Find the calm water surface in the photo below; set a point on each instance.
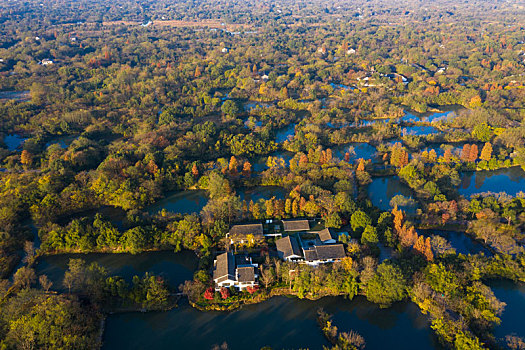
(420, 130)
(447, 113)
(510, 181)
(282, 323)
(285, 133)
(261, 192)
(19, 96)
(192, 201)
(249, 105)
(184, 202)
(174, 267)
(460, 241)
(513, 294)
(14, 141)
(357, 150)
(383, 189)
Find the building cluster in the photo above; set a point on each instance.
(295, 243)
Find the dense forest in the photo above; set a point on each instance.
(108, 108)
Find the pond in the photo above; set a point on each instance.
(281, 323)
(19, 96)
(285, 133)
(261, 192)
(460, 241)
(513, 294)
(420, 130)
(357, 150)
(382, 189)
(446, 113)
(341, 87)
(14, 141)
(62, 141)
(184, 202)
(175, 268)
(249, 105)
(192, 201)
(509, 180)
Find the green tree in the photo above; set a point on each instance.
(369, 236)
(386, 286)
(230, 108)
(359, 220)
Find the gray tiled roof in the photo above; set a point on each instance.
(224, 267)
(296, 225)
(246, 274)
(310, 255)
(288, 246)
(330, 251)
(325, 252)
(243, 230)
(325, 235)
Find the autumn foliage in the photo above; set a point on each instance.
(209, 293)
(408, 236)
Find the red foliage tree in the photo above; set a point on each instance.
(209, 293)
(225, 293)
(252, 290)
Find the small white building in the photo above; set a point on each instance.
(288, 249)
(46, 62)
(225, 50)
(227, 272)
(322, 254)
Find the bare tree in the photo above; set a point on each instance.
(29, 249)
(267, 276)
(353, 338)
(45, 283)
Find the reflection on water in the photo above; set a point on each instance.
(261, 192)
(62, 141)
(249, 105)
(19, 96)
(174, 267)
(447, 113)
(420, 130)
(285, 133)
(460, 241)
(382, 189)
(279, 322)
(192, 201)
(513, 294)
(356, 150)
(510, 181)
(184, 202)
(14, 141)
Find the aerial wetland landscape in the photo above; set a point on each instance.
(288, 174)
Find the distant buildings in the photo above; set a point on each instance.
(46, 62)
